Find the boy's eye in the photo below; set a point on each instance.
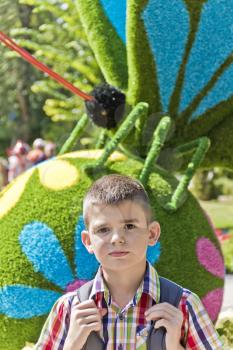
(129, 226)
(103, 230)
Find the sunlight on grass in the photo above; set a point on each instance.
(221, 213)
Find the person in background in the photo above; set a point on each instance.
(3, 172)
(37, 154)
(50, 149)
(17, 160)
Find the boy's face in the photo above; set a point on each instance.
(119, 234)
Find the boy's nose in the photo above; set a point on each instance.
(118, 236)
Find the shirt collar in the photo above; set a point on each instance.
(150, 285)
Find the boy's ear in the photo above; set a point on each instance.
(86, 241)
(154, 232)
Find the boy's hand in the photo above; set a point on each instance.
(168, 316)
(85, 318)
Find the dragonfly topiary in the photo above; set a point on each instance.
(172, 61)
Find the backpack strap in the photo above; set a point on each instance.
(84, 291)
(171, 293)
(93, 341)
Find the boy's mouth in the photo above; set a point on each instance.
(118, 253)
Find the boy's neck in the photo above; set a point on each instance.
(124, 284)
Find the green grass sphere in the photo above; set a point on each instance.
(52, 194)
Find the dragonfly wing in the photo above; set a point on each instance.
(155, 49)
(143, 83)
(209, 70)
(105, 32)
(194, 69)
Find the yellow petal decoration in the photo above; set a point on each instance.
(94, 154)
(12, 193)
(58, 174)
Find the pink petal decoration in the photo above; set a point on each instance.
(212, 302)
(75, 285)
(210, 257)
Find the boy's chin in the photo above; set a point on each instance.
(121, 265)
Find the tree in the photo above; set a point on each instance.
(54, 35)
(20, 115)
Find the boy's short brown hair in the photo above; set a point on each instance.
(113, 189)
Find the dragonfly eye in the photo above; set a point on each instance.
(108, 106)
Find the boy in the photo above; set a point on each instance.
(124, 298)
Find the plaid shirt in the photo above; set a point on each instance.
(127, 328)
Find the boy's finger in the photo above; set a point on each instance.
(85, 304)
(164, 306)
(90, 319)
(161, 323)
(86, 312)
(158, 314)
(163, 316)
(95, 326)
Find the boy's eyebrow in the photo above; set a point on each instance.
(126, 221)
(129, 220)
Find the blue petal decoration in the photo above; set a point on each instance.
(214, 42)
(116, 13)
(43, 249)
(22, 302)
(219, 93)
(86, 264)
(153, 253)
(167, 25)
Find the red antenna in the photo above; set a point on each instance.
(28, 57)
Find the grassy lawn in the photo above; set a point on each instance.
(221, 213)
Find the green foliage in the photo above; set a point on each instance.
(227, 248)
(61, 44)
(52, 32)
(203, 186)
(7, 80)
(212, 183)
(224, 185)
(10, 10)
(225, 330)
(21, 114)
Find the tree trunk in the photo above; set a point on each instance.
(24, 79)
